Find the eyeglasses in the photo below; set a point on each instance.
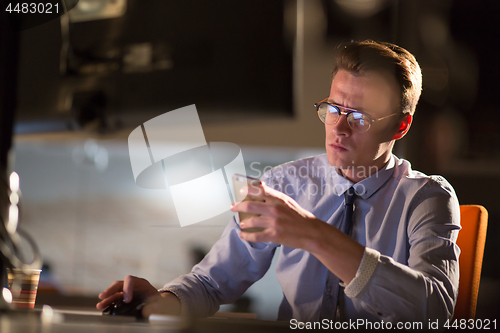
(357, 120)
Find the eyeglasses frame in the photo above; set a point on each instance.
(340, 108)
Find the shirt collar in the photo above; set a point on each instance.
(368, 186)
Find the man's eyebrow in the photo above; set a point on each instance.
(333, 102)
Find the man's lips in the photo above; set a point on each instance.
(338, 147)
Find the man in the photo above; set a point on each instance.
(390, 243)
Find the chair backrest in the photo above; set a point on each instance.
(471, 239)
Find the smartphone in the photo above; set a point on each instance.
(239, 182)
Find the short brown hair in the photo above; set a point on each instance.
(366, 56)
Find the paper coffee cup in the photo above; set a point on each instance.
(24, 286)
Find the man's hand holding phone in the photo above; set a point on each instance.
(280, 219)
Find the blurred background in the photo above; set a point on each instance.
(81, 83)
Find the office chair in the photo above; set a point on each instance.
(471, 239)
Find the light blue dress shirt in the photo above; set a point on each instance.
(408, 222)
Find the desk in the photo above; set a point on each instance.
(61, 321)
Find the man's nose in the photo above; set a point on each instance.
(342, 126)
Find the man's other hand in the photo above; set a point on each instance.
(132, 286)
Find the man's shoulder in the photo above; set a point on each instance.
(417, 180)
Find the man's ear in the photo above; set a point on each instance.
(404, 126)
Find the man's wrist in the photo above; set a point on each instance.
(165, 303)
(318, 239)
(338, 252)
(365, 271)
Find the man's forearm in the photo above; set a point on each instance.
(338, 252)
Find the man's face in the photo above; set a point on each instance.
(362, 154)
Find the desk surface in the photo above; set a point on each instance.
(59, 321)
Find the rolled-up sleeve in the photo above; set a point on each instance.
(426, 287)
(226, 272)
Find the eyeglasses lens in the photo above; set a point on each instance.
(358, 122)
(329, 114)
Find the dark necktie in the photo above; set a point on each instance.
(332, 287)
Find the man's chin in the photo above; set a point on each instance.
(339, 163)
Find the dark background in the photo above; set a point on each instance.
(228, 57)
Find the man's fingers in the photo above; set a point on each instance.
(257, 191)
(125, 288)
(254, 222)
(265, 209)
(115, 287)
(248, 206)
(110, 300)
(128, 288)
(262, 236)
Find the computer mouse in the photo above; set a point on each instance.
(133, 308)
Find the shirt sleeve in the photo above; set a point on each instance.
(426, 287)
(367, 266)
(226, 272)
